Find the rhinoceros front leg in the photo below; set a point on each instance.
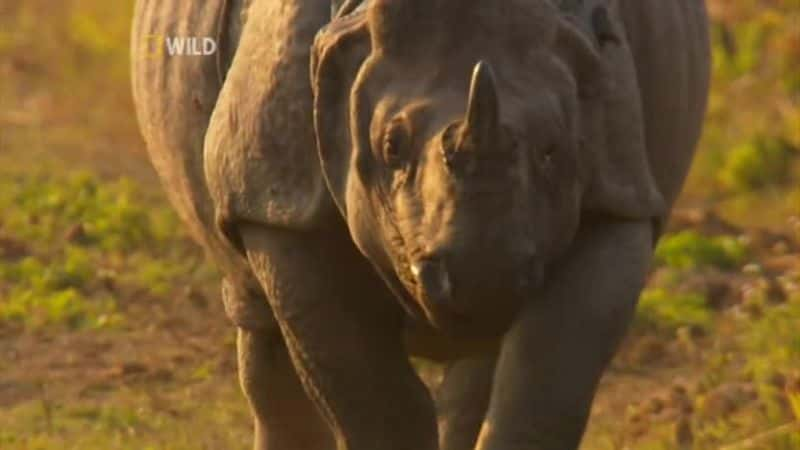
(285, 418)
(462, 400)
(344, 333)
(554, 355)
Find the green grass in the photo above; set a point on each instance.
(758, 354)
(767, 349)
(778, 326)
(42, 208)
(209, 416)
(756, 164)
(665, 312)
(81, 234)
(691, 250)
(753, 120)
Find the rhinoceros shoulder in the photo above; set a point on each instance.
(261, 162)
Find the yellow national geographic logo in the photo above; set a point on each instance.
(157, 46)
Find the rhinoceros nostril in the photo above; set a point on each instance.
(434, 280)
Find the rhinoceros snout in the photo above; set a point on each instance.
(434, 282)
(485, 292)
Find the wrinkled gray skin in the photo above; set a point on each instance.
(476, 182)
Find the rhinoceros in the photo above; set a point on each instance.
(479, 183)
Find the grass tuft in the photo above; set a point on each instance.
(759, 163)
(690, 249)
(662, 311)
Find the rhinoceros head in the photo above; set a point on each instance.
(464, 140)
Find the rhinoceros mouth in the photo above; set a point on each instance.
(435, 302)
(422, 301)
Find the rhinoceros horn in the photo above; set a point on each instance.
(483, 109)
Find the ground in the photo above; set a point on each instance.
(112, 334)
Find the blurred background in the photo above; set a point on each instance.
(112, 335)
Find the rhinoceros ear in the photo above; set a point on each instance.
(338, 52)
(617, 176)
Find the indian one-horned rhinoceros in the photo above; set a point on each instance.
(477, 182)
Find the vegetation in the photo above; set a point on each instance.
(113, 336)
(61, 232)
(690, 250)
(756, 164)
(661, 311)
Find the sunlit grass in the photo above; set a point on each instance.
(208, 415)
(691, 250)
(754, 101)
(81, 242)
(662, 311)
